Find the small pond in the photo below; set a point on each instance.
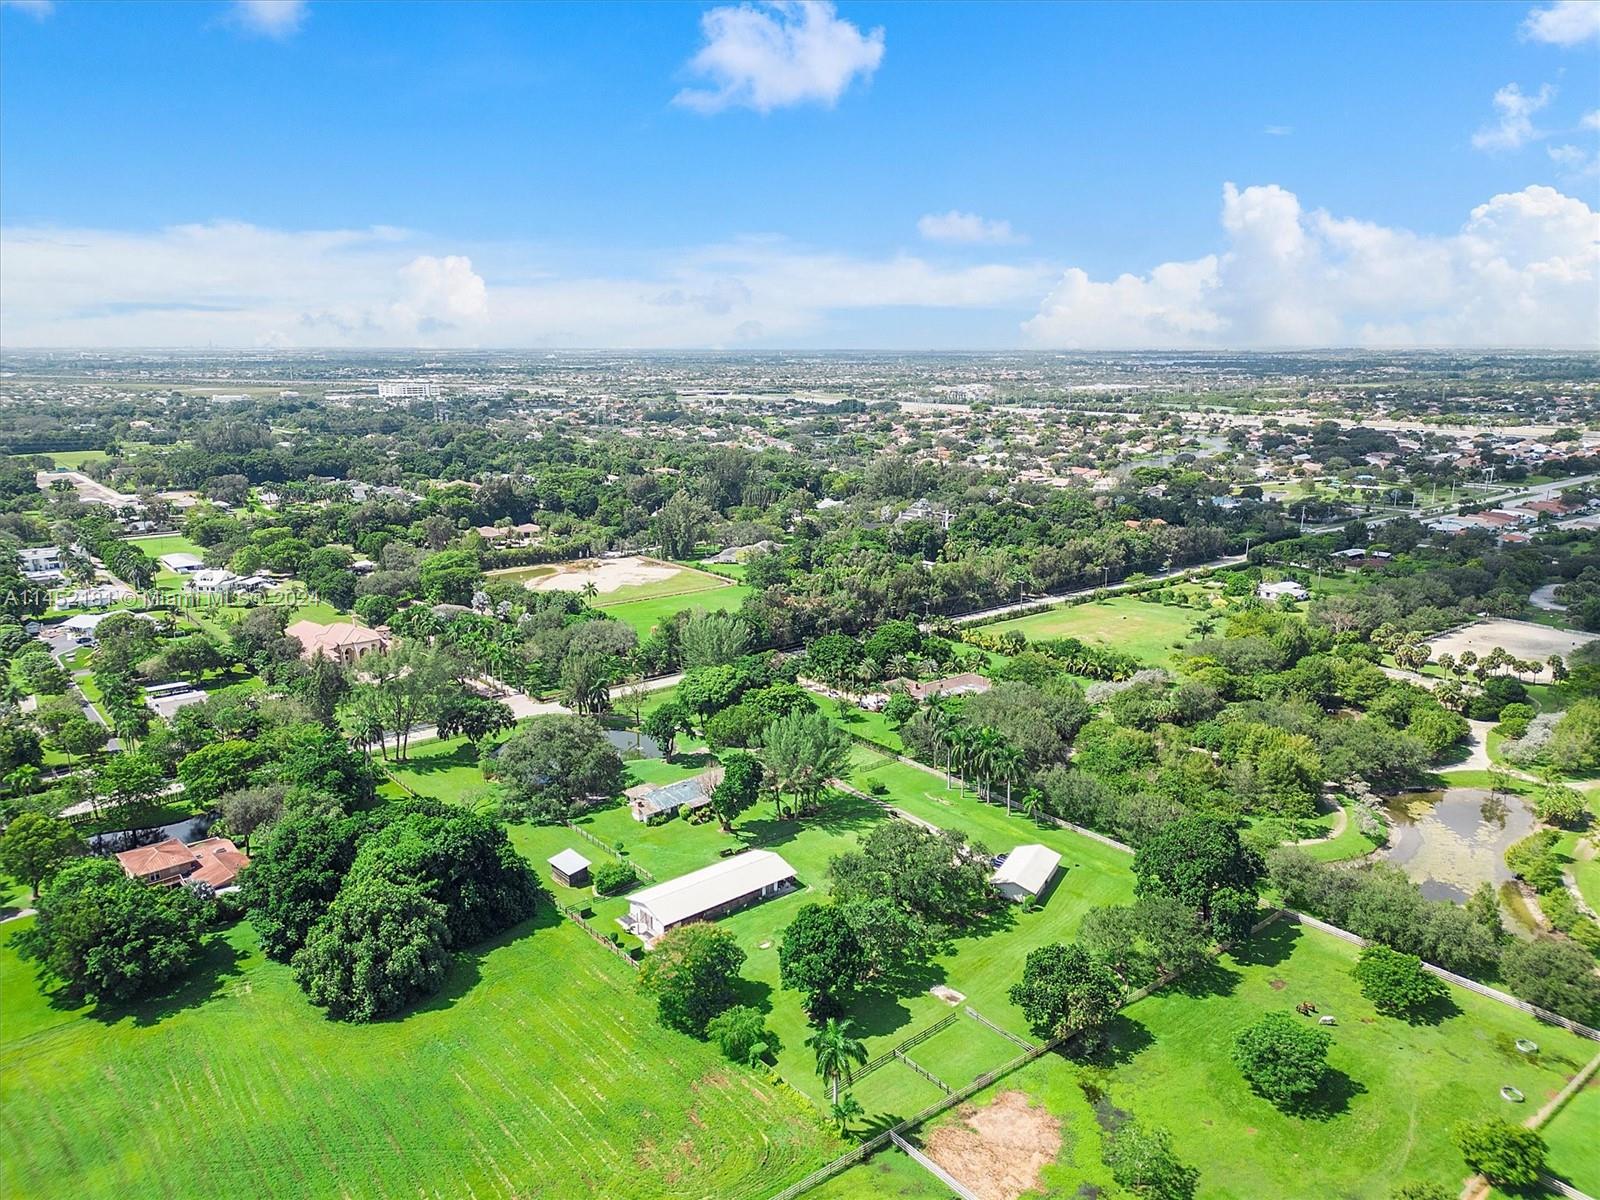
(628, 742)
(1451, 841)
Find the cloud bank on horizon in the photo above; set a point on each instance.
(1523, 270)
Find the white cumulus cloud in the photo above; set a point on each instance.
(1513, 126)
(1591, 120)
(234, 284)
(270, 18)
(38, 9)
(1564, 23)
(1524, 270)
(778, 54)
(956, 226)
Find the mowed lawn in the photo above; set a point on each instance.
(1573, 1136)
(645, 613)
(1397, 1091)
(73, 460)
(537, 1072)
(1136, 627)
(173, 543)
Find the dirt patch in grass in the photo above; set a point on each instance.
(999, 1151)
(607, 575)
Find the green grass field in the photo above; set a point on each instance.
(1121, 623)
(73, 460)
(646, 605)
(1386, 1119)
(538, 1071)
(645, 613)
(1573, 1135)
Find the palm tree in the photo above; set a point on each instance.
(845, 1110)
(1007, 762)
(986, 743)
(1033, 802)
(836, 1050)
(589, 590)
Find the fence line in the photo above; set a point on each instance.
(961, 1094)
(1005, 1033)
(924, 1072)
(589, 837)
(594, 933)
(933, 1168)
(1562, 1189)
(915, 1039)
(1472, 985)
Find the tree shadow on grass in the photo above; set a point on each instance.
(1213, 979)
(1330, 1099)
(214, 968)
(753, 993)
(467, 969)
(1268, 948)
(1118, 1043)
(1436, 1011)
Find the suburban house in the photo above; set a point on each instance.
(569, 868)
(1026, 872)
(82, 627)
(707, 894)
(40, 563)
(214, 862)
(181, 564)
(342, 642)
(968, 683)
(1287, 587)
(649, 801)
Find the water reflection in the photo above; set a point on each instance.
(1451, 841)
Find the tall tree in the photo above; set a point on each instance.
(35, 846)
(837, 1050)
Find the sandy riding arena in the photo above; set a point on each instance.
(607, 575)
(1000, 1150)
(1525, 640)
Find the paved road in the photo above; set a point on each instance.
(984, 614)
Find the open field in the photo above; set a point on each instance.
(1573, 1135)
(75, 459)
(1385, 1119)
(521, 1079)
(1535, 643)
(645, 614)
(641, 591)
(1121, 623)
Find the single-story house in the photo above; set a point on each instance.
(1026, 871)
(182, 564)
(1287, 587)
(569, 868)
(343, 642)
(82, 626)
(968, 683)
(707, 894)
(214, 862)
(648, 801)
(165, 699)
(739, 554)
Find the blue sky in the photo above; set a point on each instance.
(684, 174)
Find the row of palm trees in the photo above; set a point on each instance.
(981, 753)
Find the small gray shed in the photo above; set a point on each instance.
(570, 868)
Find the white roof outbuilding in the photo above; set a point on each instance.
(569, 862)
(1027, 871)
(710, 891)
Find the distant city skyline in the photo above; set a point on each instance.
(282, 173)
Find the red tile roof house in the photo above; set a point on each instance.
(214, 862)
